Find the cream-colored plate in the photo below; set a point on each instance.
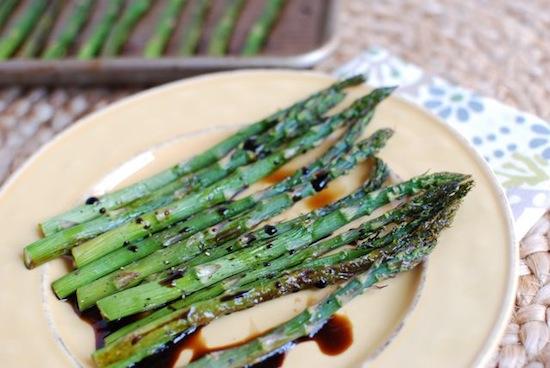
(469, 284)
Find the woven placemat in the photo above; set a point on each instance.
(499, 48)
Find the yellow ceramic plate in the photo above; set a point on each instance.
(453, 320)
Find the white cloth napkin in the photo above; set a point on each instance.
(514, 143)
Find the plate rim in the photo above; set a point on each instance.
(507, 303)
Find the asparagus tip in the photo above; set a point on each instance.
(352, 81)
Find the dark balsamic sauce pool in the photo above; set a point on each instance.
(334, 338)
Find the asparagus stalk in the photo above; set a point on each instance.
(6, 9)
(21, 29)
(228, 248)
(220, 191)
(259, 32)
(406, 254)
(265, 143)
(192, 33)
(123, 28)
(59, 242)
(317, 104)
(146, 339)
(69, 33)
(261, 236)
(66, 285)
(212, 251)
(39, 36)
(93, 45)
(150, 295)
(178, 253)
(221, 35)
(275, 267)
(378, 176)
(251, 150)
(150, 338)
(157, 43)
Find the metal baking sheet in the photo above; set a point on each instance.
(303, 35)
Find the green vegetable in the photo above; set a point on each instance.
(221, 36)
(222, 190)
(123, 28)
(405, 254)
(6, 10)
(158, 41)
(258, 34)
(180, 252)
(150, 295)
(17, 33)
(64, 230)
(434, 209)
(37, 40)
(122, 257)
(316, 104)
(93, 45)
(70, 31)
(193, 31)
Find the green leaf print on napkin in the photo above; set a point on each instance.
(524, 170)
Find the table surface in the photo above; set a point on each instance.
(499, 48)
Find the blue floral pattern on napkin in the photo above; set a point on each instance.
(515, 144)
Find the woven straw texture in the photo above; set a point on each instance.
(499, 48)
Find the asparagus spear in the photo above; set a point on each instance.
(212, 249)
(146, 339)
(275, 267)
(151, 295)
(69, 33)
(39, 36)
(317, 104)
(251, 150)
(151, 338)
(192, 33)
(119, 258)
(221, 35)
(59, 242)
(220, 191)
(157, 43)
(123, 28)
(96, 40)
(259, 32)
(178, 253)
(6, 9)
(265, 143)
(403, 256)
(21, 29)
